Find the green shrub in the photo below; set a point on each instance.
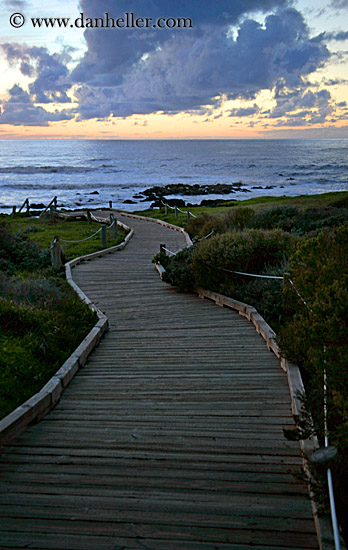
(249, 251)
(37, 335)
(203, 224)
(316, 338)
(16, 251)
(278, 217)
(296, 220)
(178, 270)
(238, 218)
(285, 217)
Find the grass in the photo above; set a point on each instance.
(257, 203)
(42, 232)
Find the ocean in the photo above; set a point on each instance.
(90, 173)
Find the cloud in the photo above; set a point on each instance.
(190, 71)
(16, 4)
(338, 36)
(111, 53)
(302, 107)
(143, 71)
(19, 110)
(244, 111)
(339, 4)
(49, 71)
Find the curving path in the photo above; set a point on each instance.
(170, 438)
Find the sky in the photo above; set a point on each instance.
(210, 69)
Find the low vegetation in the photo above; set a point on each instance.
(42, 320)
(308, 309)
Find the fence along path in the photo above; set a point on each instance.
(170, 437)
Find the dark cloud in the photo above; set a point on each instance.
(244, 111)
(19, 110)
(16, 4)
(49, 71)
(338, 36)
(190, 71)
(339, 4)
(111, 53)
(302, 107)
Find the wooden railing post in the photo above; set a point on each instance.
(110, 204)
(166, 208)
(188, 216)
(13, 211)
(89, 219)
(114, 225)
(56, 253)
(103, 236)
(25, 203)
(162, 248)
(176, 211)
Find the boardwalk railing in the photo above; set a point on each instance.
(176, 210)
(27, 204)
(56, 249)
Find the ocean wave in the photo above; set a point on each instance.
(46, 169)
(100, 160)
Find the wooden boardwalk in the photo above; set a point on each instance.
(170, 438)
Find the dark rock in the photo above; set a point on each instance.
(156, 192)
(37, 206)
(176, 202)
(94, 193)
(129, 201)
(214, 202)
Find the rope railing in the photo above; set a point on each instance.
(207, 236)
(276, 277)
(177, 209)
(56, 249)
(82, 240)
(299, 294)
(164, 249)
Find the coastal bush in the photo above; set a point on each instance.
(42, 320)
(39, 329)
(316, 339)
(17, 251)
(288, 218)
(251, 251)
(178, 270)
(238, 218)
(203, 224)
(296, 220)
